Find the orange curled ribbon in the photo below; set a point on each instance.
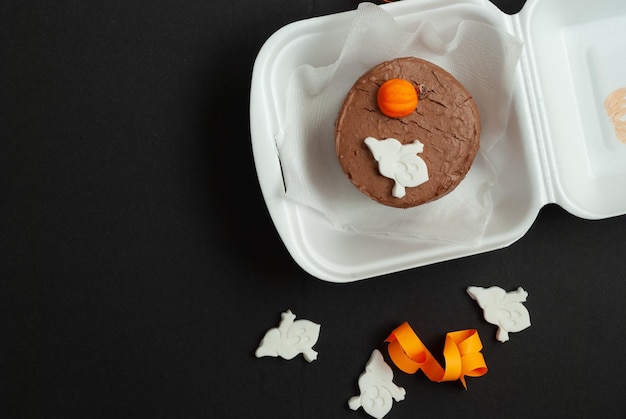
(461, 353)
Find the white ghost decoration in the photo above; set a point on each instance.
(290, 338)
(504, 309)
(377, 388)
(399, 162)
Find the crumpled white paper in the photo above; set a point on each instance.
(481, 57)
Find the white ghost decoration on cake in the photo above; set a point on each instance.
(290, 338)
(377, 388)
(399, 162)
(503, 309)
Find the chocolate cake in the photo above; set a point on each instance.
(418, 153)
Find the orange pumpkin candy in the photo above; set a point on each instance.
(397, 98)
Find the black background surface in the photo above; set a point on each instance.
(140, 268)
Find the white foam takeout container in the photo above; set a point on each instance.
(559, 146)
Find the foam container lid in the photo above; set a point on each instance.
(559, 146)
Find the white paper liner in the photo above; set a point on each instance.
(480, 56)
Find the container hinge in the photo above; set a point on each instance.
(537, 125)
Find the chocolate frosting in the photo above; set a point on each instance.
(446, 121)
